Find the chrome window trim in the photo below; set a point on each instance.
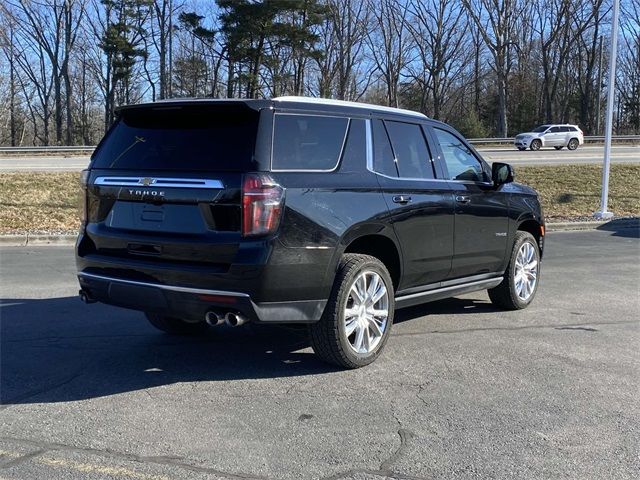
(173, 288)
(308, 170)
(369, 139)
(158, 182)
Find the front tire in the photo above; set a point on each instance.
(573, 144)
(175, 326)
(521, 279)
(356, 322)
(559, 147)
(535, 145)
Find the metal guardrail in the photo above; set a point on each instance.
(475, 141)
(615, 138)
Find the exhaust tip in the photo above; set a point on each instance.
(234, 319)
(85, 297)
(214, 318)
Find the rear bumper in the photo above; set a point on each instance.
(194, 303)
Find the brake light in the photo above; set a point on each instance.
(84, 180)
(262, 200)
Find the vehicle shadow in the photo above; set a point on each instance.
(60, 350)
(623, 227)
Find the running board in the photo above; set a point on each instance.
(445, 292)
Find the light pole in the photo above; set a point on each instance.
(603, 213)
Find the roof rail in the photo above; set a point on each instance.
(344, 103)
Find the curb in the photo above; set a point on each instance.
(590, 225)
(39, 240)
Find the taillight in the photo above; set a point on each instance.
(84, 179)
(262, 200)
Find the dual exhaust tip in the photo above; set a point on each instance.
(232, 319)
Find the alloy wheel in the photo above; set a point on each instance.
(366, 312)
(526, 271)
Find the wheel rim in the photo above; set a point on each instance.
(526, 272)
(535, 145)
(366, 312)
(573, 144)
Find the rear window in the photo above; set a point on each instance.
(307, 142)
(200, 138)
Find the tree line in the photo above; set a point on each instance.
(488, 67)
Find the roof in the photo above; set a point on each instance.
(343, 103)
(257, 104)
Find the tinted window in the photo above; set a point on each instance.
(307, 142)
(412, 157)
(355, 150)
(383, 161)
(180, 138)
(555, 129)
(461, 163)
(573, 129)
(541, 128)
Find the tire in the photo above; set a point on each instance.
(330, 337)
(535, 145)
(175, 326)
(573, 144)
(507, 294)
(521, 149)
(559, 147)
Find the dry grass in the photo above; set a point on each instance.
(48, 202)
(39, 202)
(573, 191)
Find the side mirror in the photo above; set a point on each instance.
(501, 173)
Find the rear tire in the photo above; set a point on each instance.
(175, 326)
(512, 293)
(559, 147)
(353, 329)
(573, 144)
(535, 145)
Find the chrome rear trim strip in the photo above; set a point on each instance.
(173, 288)
(158, 182)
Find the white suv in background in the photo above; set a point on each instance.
(557, 136)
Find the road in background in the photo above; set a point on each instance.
(585, 154)
(462, 390)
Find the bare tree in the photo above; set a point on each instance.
(496, 23)
(389, 43)
(438, 30)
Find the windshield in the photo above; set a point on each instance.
(201, 138)
(540, 129)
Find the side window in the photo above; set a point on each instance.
(383, 161)
(461, 163)
(355, 150)
(412, 156)
(307, 142)
(554, 130)
(566, 129)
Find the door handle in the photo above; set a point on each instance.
(402, 199)
(462, 199)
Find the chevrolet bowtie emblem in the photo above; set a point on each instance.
(147, 181)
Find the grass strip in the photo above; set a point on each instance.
(48, 203)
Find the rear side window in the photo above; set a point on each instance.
(412, 155)
(307, 142)
(200, 138)
(383, 161)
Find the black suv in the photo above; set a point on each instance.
(299, 210)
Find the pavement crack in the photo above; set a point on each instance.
(155, 460)
(21, 459)
(405, 436)
(524, 327)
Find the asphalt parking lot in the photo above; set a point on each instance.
(463, 390)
